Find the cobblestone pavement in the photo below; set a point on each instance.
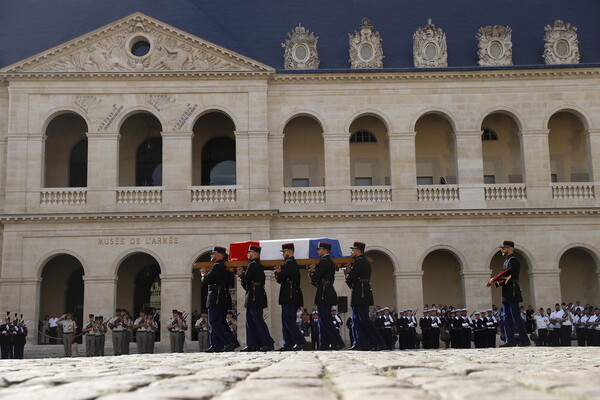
(513, 373)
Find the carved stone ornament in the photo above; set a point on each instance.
(429, 47)
(562, 46)
(365, 47)
(137, 44)
(301, 49)
(495, 45)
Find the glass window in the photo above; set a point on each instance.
(489, 179)
(218, 162)
(300, 182)
(424, 180)
(363, 137)
(488, 134)
(363, 181)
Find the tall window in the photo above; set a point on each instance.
(363, 136)
(78, 164)
(218, 162)
(148, 165)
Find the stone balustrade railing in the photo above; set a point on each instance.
(437, 193)
(580, 190)
(371, 194)
(63, 196)
(508, 191)
(213, 194)
(139, 195)
(310, 195)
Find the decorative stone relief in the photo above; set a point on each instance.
(301, 49)
(161, 101)
(138, 44)
(86, 102)
(429, 47)
(495, 45)
(365, 47)
(562, 46)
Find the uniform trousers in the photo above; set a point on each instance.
(512, 320)
(18, 347)
(220, 333)
(203, 341)
(68, 343)
(291, 332)
(581, 336)
(365, 333)
(454, 338)
(542, 337)
(175, 339)
(403, 339)
(490, 337)
(99, 345)
(141, 340)
(435, 338)
(125, 342)
(565, 335)
(117, 338)
(257, 332)
(328, 335)
(150, 342)
(6, 347)
(90, 345)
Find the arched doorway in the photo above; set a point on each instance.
(435, 150)
(303, 153)
(139, 284)
(569, 152)
(65, 152)
(382, 279)
(524, 281)
(579, 277)
(62, 289)
(369, 152)
(214, 151)
(442, 283)
(140, 151)
(501, 150)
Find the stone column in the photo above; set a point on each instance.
(592, 137)
(536, 157)
(103, 169)
(403, 166)
(16, 175)
(337, 167)
(177, 167)
(100, 295)
(409, 289)
(545, 287)
(477, 295)
(276, 171)
(175, 293)
(35, 169)
(242, 168)
(258, 169)
(470, 168)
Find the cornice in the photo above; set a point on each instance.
(428, 75)
(283, 215)
(135, 75)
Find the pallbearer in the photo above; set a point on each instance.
(322, 276)
(218, 302)
(358, 278)
(290, 298)
(253, 281)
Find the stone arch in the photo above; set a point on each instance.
(508, 111)
(55, 112)
(579, 276)
(442, 281)
(435, 110)
(577, 111)
(210, 109)
(372, 113)
(50, 255)
(303, 148)
(139, 109)
(303, 113)
(390, 254)
(459, 256)
(119, 260)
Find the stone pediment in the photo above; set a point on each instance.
(137, 43)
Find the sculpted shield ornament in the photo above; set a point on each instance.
(429, 47)
(495, 45)
(365, 47)
(562, 46)
(301, 50)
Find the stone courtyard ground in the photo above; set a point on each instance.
(513, 373)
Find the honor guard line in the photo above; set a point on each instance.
(271, 264)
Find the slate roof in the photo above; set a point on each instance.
(256, 28)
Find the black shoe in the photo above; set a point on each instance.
(267, 348)
(285, 348)
(212, 350)
(248, 349)
(356, 348)
(231, 346)
(508, 344)
(378, 347)
(524, 344)
(338, 347)
(300, 347)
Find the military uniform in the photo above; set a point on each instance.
(322, 278)
(118, 327)
(491, 328)
(6, 339)
(68, 332)
(218, 302)
(358, 279)
(253, 281)
(290, 298)
(99, 335)
(425, 325)
(89, 336)
(201, 328)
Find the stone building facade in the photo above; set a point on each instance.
(127, 153)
